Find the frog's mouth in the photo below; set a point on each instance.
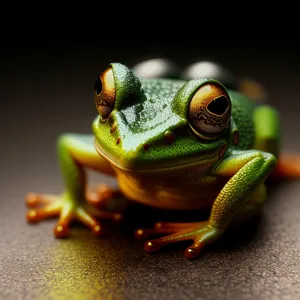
(206, 162)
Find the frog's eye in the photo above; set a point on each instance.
(209, 111)
(105, 93)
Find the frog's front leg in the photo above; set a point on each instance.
(74, 152)
(247, 171)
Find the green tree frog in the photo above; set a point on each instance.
(171, 144)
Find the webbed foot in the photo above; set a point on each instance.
(102, 193)
(45, 206)
(201, 233)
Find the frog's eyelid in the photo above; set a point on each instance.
(204, 137)
(105, 98)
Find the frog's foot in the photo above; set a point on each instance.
(288, 167)
(67, 210)
(102, 193)
(201, 233)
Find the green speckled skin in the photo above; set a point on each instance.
(155, 111)
(150, 144)
(158, 105)
(242, 113)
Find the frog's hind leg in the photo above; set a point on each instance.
(288, 167)
(102, 193)
(267, 128)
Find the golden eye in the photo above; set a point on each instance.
(209, 111)
(105, 93)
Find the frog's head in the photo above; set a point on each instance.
(159, 123)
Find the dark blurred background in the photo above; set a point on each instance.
(51, 54)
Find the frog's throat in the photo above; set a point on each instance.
(208, 161)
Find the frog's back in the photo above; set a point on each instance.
(162, 92)
(242, 113)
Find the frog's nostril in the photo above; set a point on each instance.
(146, 147)
(118, 140)
(169, 137)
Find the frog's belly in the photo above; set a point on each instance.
(164, 192)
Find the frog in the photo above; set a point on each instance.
(173, 144)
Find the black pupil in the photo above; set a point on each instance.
(98, 86)
(218, 106)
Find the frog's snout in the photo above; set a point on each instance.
(116, 134)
